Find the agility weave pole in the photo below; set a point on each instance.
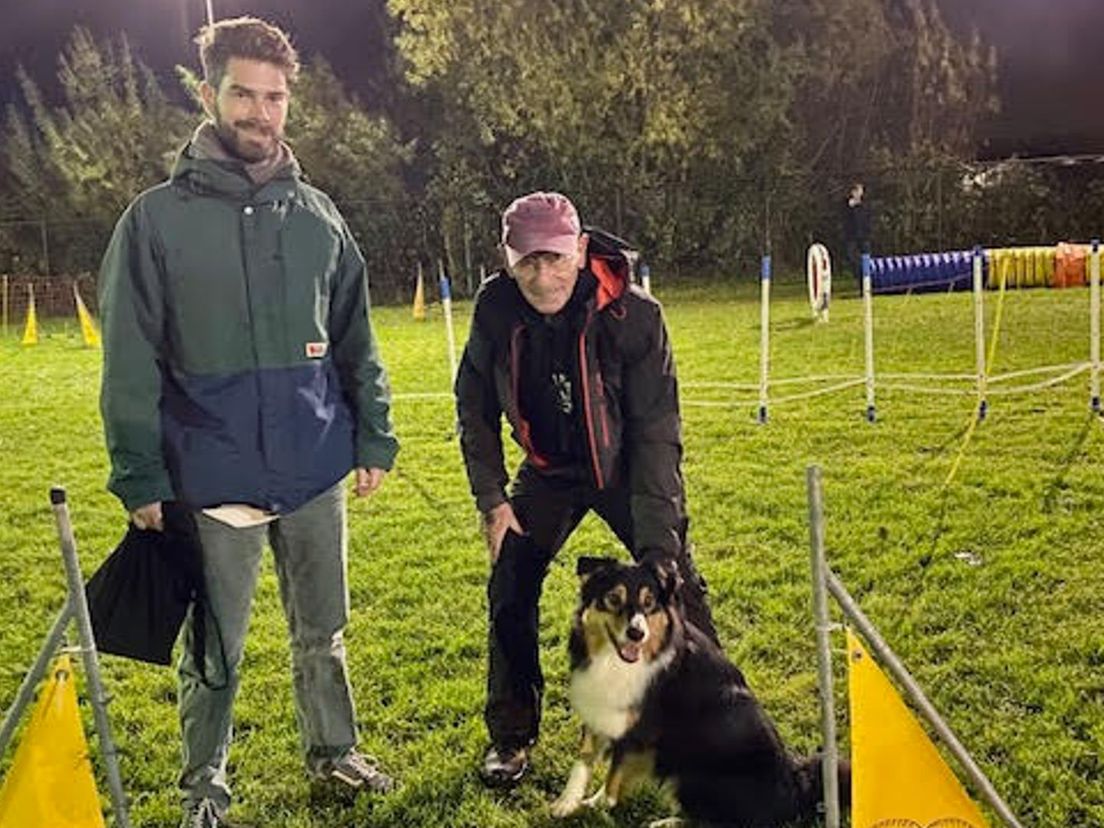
(825, 582)
(979, 334)
(75, 609)
(868, 333)
(764, 336)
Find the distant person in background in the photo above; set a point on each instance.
(856, 231)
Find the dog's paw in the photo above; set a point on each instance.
(570, 800)
(600, 800)
(566, 805)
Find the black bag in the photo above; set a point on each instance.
(139, 597)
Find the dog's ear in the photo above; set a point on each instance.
(666, 572)
(587, 565)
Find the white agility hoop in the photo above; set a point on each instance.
(818, 272)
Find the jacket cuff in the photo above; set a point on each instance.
(377, 453)
(487, 501)
(136, 493)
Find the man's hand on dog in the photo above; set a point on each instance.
(495, 524)
(368, 480)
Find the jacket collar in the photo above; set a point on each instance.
(202, 167)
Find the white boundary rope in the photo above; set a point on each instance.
(753, 386)
(933, 377)
(1039, 386)
(1027, 372)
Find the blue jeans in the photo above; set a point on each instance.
(310, 550)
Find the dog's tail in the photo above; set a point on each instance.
(810, 782)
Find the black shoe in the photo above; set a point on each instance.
(504, 767)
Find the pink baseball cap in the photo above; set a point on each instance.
(540, 222)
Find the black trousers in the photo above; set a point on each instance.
(853, 251)
(548, 510)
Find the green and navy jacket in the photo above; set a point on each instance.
(240, 364)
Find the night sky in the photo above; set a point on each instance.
(1051, 83)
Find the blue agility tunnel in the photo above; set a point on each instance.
(923, 272)
(1017, 267)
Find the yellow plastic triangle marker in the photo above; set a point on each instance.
(419, 297)
(50, 784)
(88, 326)
(30, 330)
(898, 778)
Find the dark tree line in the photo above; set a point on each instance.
(705, 131)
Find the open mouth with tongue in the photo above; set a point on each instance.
(628, 651)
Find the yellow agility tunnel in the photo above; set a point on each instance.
(1021, 267)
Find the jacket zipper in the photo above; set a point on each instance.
(248, 210)
(602, 418)
(599, 480)
(523, 424)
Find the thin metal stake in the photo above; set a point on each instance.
(830, 759)
(79, 605)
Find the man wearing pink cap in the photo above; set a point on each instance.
(579, 362)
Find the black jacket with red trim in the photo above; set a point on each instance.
(628, 396)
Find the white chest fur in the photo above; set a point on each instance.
(608, 692)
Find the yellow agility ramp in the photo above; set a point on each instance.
(898, 778)
(30, 330)
(50, 784)
(89, 332)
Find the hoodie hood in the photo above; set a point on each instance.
(610, 259)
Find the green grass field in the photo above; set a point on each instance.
(991, 589)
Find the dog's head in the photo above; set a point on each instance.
(629, 608)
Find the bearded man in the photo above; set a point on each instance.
(242, 381)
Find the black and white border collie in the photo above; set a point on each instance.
(663, 701)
